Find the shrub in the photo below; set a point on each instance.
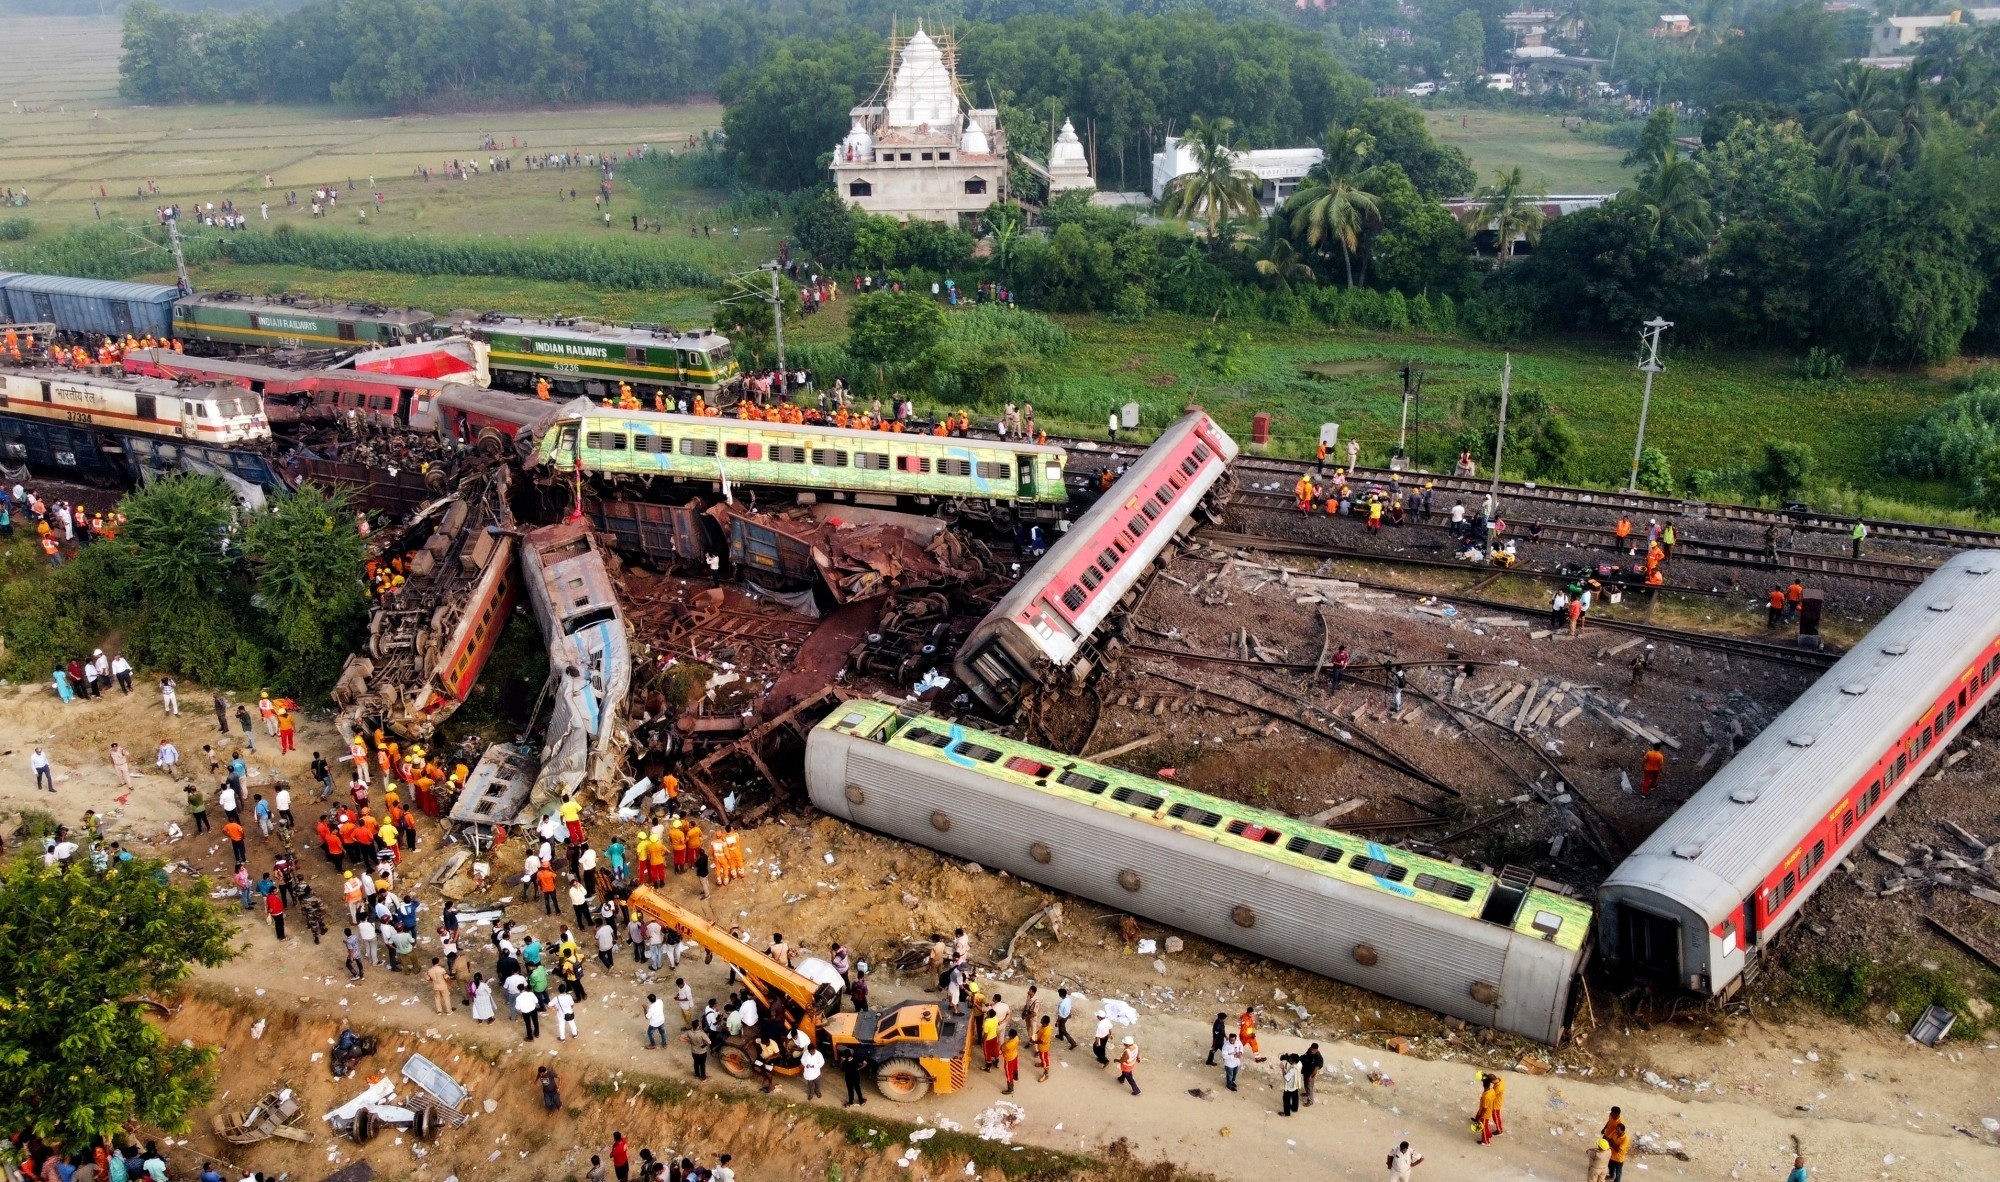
(1949, 442)
(15, 229)
(1786, 469)
(626, 265)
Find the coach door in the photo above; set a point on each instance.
(1652, 943)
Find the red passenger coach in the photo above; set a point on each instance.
(1697, 902)
(1046, 624)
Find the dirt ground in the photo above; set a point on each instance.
(1735, 1092)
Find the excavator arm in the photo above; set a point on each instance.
(761, 971)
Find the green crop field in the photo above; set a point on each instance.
(1547, 154)
(80, 152)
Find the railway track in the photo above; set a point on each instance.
(1907, 574)
(1880, 529)
(1728, 645)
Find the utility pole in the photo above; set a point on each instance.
(1402, 428)
(1499, 447)
(180, 261)
(1417, 433)
(1649, 339)
(1493, 493)
(777, 312)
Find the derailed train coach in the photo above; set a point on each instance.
(1503, 950)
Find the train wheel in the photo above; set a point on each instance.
(903, 1080)
(490, 444)
(734, 1060)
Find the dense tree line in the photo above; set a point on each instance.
(413, 53)
(1862, 216)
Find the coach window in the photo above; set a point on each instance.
(346, 332)
(741, 451)
(1728, 937)
(147, 407)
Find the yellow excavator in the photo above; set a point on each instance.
(913, 1048)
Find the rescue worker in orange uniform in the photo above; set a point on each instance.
(1793, 595)
(1246, 1032)
(1656, 761)
(1304, 490)
(677, 838)
(1775, 608)
(1624, 532)
(542, 389)
(694, 838)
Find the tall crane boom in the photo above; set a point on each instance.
(758, 969)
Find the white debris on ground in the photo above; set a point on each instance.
(997, 1123)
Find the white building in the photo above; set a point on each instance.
(1897, 34)
(917, 149)
(1279, 171)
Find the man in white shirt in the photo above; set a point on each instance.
(810, 1064)
(748, 1013)
(656, 1022)
(1232, 1060)
(43, 777)
(122, 670)
(227, 799)
(722, 1172)
(1402, 1161)
(607, 943)
(1099, 1038)
(565, 1007)
(284, 804)
(684, 997)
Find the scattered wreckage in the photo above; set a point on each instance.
(444, 587)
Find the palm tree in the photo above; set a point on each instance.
(1509, 207)
(1673, 194)
(1858, 109)
(1336, 202)
(1216, 187)
(1573, 21)
(1277, 261)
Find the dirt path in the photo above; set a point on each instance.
(1733, 1093)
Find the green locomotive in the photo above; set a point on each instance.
(982, 479)
(228, 321)
(580, 357)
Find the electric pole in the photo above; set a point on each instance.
(180, 261)
(1402, 428)
(777, 312)
(1499, 447)
(1649, 340)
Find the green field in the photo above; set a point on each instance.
(1709, 411)
(80, 152)
(1547, 154)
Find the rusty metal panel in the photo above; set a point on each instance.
(400, 492)
(757, 546)
(665, 533)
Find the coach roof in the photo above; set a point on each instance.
(1718, 847)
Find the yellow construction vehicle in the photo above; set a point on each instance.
(913, 1048)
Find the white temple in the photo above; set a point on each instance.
(1068, 168)
(915, 150)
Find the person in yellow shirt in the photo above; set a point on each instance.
(677, 838)
(571, 812)
(1045, 1035)
(1621, 1147)
(657, 863)
(1010, 1059)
